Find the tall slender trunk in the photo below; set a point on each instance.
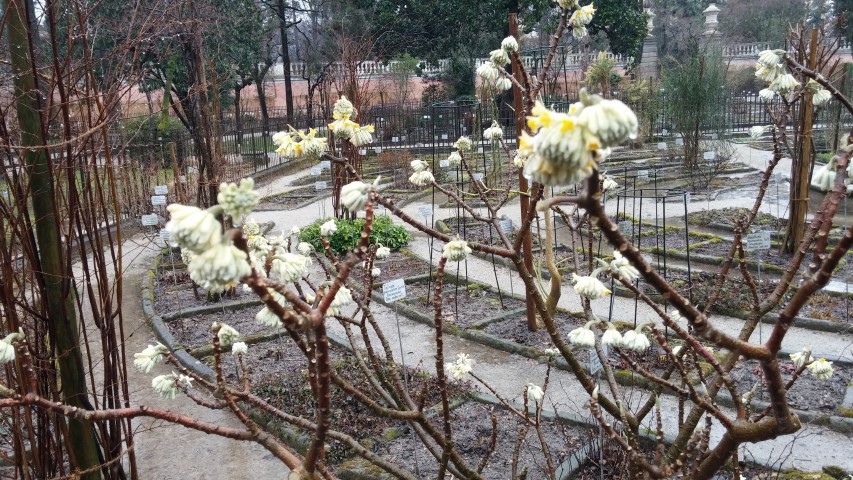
(285, 59)
(238, 116)
(56, 289)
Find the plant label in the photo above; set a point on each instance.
(478, 177)
(758, 241)
(362, 152)
(480, 149)
(320, 186)
(444, 136)
(444, 163)
(662, 146)
(164, 235)
(316, 171)
(192, 170)
(506, 225)
(664, 132)
(595, 362)
(161, 190)
(425, 210)
(709, 155)
(326, 164)
(394, 290)
(150, 220)
(158, 200)
(626, 226)
(404, 138)
(395, 139)
(377, 150)
(435, 137)
(643, 174)
(183, 179)
(679, 141)
(687, 197)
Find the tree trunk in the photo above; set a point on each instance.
(798, 204)
(238, 117)
(285, 60)
(57, 291)
(262, 102)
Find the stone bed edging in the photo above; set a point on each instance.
(297, 440)
(624, 377)
(350, 469)
(807, 323)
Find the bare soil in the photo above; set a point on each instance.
(462, 306)
(515, 329)
(472, 433)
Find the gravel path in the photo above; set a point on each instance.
(507, 373)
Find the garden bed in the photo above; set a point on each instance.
(472, 432)
(463, 305)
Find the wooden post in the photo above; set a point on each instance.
(527, 242)
(801, 166)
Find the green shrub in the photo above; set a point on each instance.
(349, 231)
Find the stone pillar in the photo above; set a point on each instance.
(711, 34)
(649, 60)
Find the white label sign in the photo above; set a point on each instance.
(444, 136)
(758, 241)
(595, 362)
(161, 190)
(183, 179)
(395, 139)
(320, 186)
(425, 210)
(664, 132)
(394, 290)
(362, 152)
(643, 174)
(158, 199)
(164, 235)
(192, 170)
(444, 163)
(316, 171)
(679, 141)
(150, 220)
(662, 146)
(709, 155)
(506, 225)
(326, 164)
(378, 150)
(478, 177)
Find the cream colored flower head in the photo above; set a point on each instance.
(145, 360)
(534, 392)
(821, 369)
(193, 229)
(461, 367)
(499, 57)
(503, 84)
(589, 286)
(227, 334)
(494, 133)
(343, 108)
(509, 44)
(354, 195)
(463, 144)
(382, 252)
(456, 250)
(220, 267)
(328, 228)
(239, 348)
(238, 201)
(419, 165)
(583, 337)
(362, 135)
(488, 71)
(290, 267)
(422, 178)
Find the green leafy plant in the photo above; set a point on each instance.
(346, 238)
